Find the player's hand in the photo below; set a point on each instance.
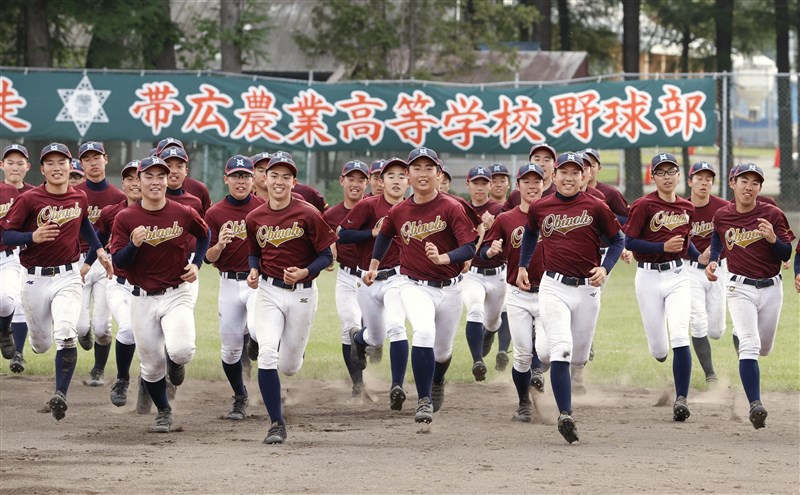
(467, 266)
(330, 267)
(522, 279)
(369, 277)
(46, 233)
(704, 256)
(225, 237)
(598, 276)
(766, 230)
(674, 245)
(710, 269)
(626, 256)
(487, 219)
(252, 279)
(105, 260)
(785, 265)
(333, 252)
(190, 273)
(495, 249)
(377, 228)
(432, 252)
(137, 235)
(797, 283)
(84, 270)
(292, 275)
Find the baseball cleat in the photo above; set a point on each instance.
(163, 421)
(7, 347)
(566, 426)
(358, 390)
(424, 411)
(396, 398)
(501, 361)
(95, 378)
(374, 353)
(239, 410)
(488, 340)
(58, 405)
(252, 349)
(479, 371)
(524, 412)
(143, 400)
(437, 395)
(17, 363)
(680, 409)
(711, 378)
(276, 433)
(758, 415)
(358, 352)
(86, 341)
(537, 379)
(119, 392)
(177, 372)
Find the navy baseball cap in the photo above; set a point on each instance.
(479, 172)
(700, 166)
(377, 166)
(281, 158)
(91, 146)
(168, 142)
(423, 152)
(355, 166)
(500, 169)
(447, 173)
(593, 153)
(542, 146)
(174, 152)
(55, 148)
(586, 162)
(260, 156)
(131, 165)
(153, 152)
(238, 163)
(569, 157)
(77, 168)
(744, 168)
(530, 168)
(153, 161)
(661, 158)
(392, 162)
(18, 148)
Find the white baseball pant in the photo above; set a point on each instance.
(159, 321)
(94, 291)
(708, 302)
(484, 296)
(236, 300)
(284, 317)
(383, 311)
(347, 303)
(755, 314)
(434, 315)
(52, 308)
(523, 314)
(11, 277)
(664, 301)
(119, 300)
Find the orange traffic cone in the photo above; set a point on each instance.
(648, 176)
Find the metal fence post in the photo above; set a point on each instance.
(724, 141)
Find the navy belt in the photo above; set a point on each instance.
(283, 285)
(352, 271)
(235, 275)
(487, 271)
(662, 267)
(121, 280)
(439, 284)
(571, 281)
(49, 271)
(138, 291)
(697, 264)
(533, 290)
(385, 274)
(758, 283)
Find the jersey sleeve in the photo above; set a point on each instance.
(388, 227)
(15, 219)
(213, 225)
(103, 223)
(328, 217)
(252, 237)
(462, 227)
(636, 219)
(607, 220)
(320, 233)
(533, 217)
(781, 226)
(197, 226)
(120, 233)
(358, 216)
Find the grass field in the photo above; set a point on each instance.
(620, 346)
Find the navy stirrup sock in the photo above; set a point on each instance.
(504, 334)
(270, 384)
(423, 365)
(522, 381)
(234, 374)
(66, 359)
(398, 357)
(20, 331)
(562, 385)
(475, 340)
(751, 378)
(124, 353)
(158, 392)
(101, 352)
(682, 369)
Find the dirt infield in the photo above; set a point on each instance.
(336, 445)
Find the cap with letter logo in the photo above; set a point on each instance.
(377, 166)
(391, 162)
(238, 163)
(153, 162)
(282, 158)
(479, 172)
(542, 146)
(499, 169)
(586, 162)
(662, 158)
(700, 166)
(569, 157)
(77, 168)
(355, 166)
(423, 152)
(18, 148)
(744, 168)
(55, 148)
(446, 172)
(259, 157)
(530, 168)
(167, 143)
(131, 165)
(593, 153)
(174, 152)
(91, 146)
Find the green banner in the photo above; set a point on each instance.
(270, 114)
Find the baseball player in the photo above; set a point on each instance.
(16, 166)
(148, 241)
(289, 246)
(353, 180)
(312, 196)
(502, 242)
(380, 301)
(483, 289)
(95, 313)
(657, 231)
(76, 174)
(708, 298)
(571, 224)
(118, 290)
(375, 184)
(437, 238)
(190, 184)
(49, 220)
(501, 182)
(445, 179)
(11, 276)
(615, 200)
(756, 238)
(229, 253)
(543, 155)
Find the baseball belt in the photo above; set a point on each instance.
(235, 275)
(49, 271)
(138, 291)
(662, 267)
(385, 274)
(488, 272)
(283, 285)
(571, 281)
(439, 284)
(352, 271)
(758, 283)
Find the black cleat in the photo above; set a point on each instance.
(437, 395)
(276, 433)
(537, 379)
(163, 422)
(7, 347)
(374, 353)
(488, 340)
(424, 412)
(524, 412)
(397, 396)
(501, 361)
(119, 392)
(17, 363)
(177, 372)
(758, 415)
(252, 350)
(86, 341)
(144, 403)
(58, 405)
(681, 409)
(239, 410)
(358, 352)
(566, 426)
(479, 371)
(95, 378)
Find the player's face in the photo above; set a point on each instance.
(178, 170)
(591, 171)
(701, 183)
(478, 190)
(746, 188)
(15, 166)
(422, 175)
(55, 169)
(131, 186)
(586, 176)
(280, 181)
(239, 184)
(666, 177)
(75, 179)
(354, 185)
(444, 184)
(154, 183)
(94, 164)
(530, 187)
(500, 185)
(260, 175)
(375, 184)
(395, 182)
(545, 160)
(568, 179)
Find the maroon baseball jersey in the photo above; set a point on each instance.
(441, 221)
(748, 253)
(311, 195)
(293, 236)
(514, 200)
(25, 187)
(703, 222)
(509, 227)
(365, 215)
(594, 192)
(655, 220)
(495, 208)
(468, 209)
(570, 231)
(181, 196)
(200, 191)
(99, 195)
(615, 200)
(7, 196)
(346, 254)
(160, 260)
(38, 207)
(227, 213)
(105, 225)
